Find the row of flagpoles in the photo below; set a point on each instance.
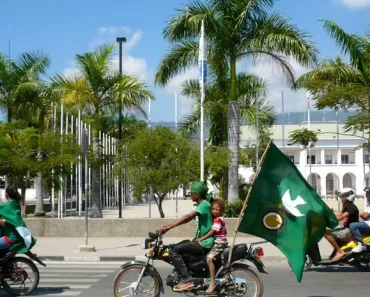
(77, 184)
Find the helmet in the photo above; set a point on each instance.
(367, 190)
(347, 192)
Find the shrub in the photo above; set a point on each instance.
(233, 209)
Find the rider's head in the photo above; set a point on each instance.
(367, 193)
(11, 193)
(199, 191)
(347, 194)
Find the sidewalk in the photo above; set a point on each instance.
(129, 248)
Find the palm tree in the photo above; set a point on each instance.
(235, 30)
(26, 97)
(337, 84)
(96, 89)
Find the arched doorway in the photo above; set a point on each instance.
(315, 181)
(331, 184)
(349, 181)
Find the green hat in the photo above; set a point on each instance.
(200, 188)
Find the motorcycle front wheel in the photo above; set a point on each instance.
(126, 280)
(19, 276)
(307, 265)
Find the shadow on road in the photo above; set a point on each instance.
(334, 269)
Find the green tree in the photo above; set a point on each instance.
(160, 159)
(305, 137)
(20, 151)
(96, 90)
(235, 30)
(27, 97)
(340, 85)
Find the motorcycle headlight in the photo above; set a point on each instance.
(146, 244)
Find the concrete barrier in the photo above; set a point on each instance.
(42, 227)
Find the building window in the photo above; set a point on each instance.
(345, 159)
(328, 159)
(313, 159)
(291, 158)
(347, 181)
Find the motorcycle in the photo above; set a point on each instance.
(359, 260)
(227, 283)
(15, 271)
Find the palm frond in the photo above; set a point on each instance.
(180, 57)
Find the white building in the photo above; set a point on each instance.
(336, 162)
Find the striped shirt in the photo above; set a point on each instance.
(219, 227)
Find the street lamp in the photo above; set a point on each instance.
(120, 40)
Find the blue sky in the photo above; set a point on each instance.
(64, 28)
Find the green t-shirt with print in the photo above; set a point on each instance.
(205, 222)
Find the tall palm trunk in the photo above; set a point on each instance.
(233, 143)
(39, 209)
(95, 211)
(233, 135)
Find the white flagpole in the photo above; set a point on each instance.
(177, 204)
(79, 166)
(100, 172)
(71, 194)
(53, 171)
(202, 63)
(106, 170)
(60, 204)
(89, 185)
(282, 109)
(65, 176)
(150, 187)
(76, 167)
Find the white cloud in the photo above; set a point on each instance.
(132, 65)
(185, 104)
(356, 3)
(293, 101)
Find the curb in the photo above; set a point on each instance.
(125, 258)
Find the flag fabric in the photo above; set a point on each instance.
(285, 210)
(202, 60)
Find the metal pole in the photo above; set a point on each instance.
(201, 105)
(53, 171)
(309, 144)
(338, 200)
(120, 40)
(150, 187)
(282, 107)
(177, 203)
(257, 133)
(86, 184)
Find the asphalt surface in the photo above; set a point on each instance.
(95, 280)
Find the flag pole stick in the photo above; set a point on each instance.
(246, 202)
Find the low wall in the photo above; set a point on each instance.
(111, 227)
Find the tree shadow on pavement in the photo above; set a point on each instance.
(117, 247)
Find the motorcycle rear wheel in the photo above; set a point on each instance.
(132, 274)
(14, 273)
(252, 277)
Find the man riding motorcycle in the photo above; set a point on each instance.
(199, 192)
(359, 228)
(349, 214)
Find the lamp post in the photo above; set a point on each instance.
(120, 40)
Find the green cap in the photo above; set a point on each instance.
(200, 188)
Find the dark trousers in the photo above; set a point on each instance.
(184, 247)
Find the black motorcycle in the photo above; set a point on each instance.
(138, 278)
(359, 260)
(19, 276)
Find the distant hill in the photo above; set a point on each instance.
(292, 118)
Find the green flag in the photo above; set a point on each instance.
(285, 210)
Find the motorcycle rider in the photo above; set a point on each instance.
(349, 214)
(199, 192)
(362, 227)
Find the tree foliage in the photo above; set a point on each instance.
(304, 137)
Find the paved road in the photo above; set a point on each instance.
(95, 280)
(71, 279)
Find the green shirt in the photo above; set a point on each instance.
(10, 211)
(205, 222)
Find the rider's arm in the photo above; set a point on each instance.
(2, 223)
(364, 215)
(183, 220)
(342, 216)
(209, 234)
